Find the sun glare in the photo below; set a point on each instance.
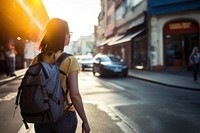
(81, 15)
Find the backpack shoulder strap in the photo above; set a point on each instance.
(59, 61)
(62, 57)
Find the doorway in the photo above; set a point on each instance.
(179, 39)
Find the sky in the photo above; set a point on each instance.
(81, 15)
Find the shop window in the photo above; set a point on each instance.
(179, 38)
(140, 54)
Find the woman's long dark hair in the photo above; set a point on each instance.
(55, 34)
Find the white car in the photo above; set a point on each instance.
(85, 62)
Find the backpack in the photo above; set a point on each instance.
(40, 95)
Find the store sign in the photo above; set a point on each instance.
(180, 25)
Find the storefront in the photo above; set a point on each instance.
(132, 48)
(179, 37)
(140, 52)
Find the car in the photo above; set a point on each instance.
(107, 65)
(85, 61)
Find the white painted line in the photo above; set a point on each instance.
(24, 130)
(126, 128)
(8, 97)
(117, 86)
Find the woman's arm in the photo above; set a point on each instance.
(77, 100)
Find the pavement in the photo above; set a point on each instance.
(173, 78)
(178, 79)
(4, 79)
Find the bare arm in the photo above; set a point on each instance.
(77, 100)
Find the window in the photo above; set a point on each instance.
(120, 12)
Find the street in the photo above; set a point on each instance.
(120, 104)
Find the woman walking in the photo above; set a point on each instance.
(194, 60)
(57, 35)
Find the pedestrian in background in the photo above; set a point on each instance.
(194, 60)
(57, 35)
(11, 54)
(29, 53)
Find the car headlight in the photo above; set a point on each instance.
(125, 66)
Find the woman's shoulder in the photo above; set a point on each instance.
(70, 59)
(70, 63)
(72, 56)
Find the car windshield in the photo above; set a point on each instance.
(114, 59)
(109, 59)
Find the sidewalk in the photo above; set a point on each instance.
(178, 79)
(104, 123)
(4, 79)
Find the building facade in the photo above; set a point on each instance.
(173, 32)
(21, 21)
(83, 46)
(150, 35)
(126, 29)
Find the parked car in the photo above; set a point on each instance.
(109, 65)
(85, 61)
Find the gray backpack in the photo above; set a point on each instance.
(40, 95)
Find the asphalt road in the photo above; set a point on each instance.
(10, 121)
(145, 107)
(121, 105)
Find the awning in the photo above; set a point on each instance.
(105, 42)
(111, 40)
(137, 22)
(128, 37)
(114, 39)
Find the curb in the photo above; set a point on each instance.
(19, 73)
(161, 83)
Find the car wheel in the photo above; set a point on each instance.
(83, 68)
(101, 75)
(125, 74)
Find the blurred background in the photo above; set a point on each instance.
(146, 42)
(146, 34)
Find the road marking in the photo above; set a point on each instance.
(133, 126)
(8, 97)
(116, 86)
(126, 128)
(24, 130)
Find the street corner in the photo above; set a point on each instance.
(102, 119)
